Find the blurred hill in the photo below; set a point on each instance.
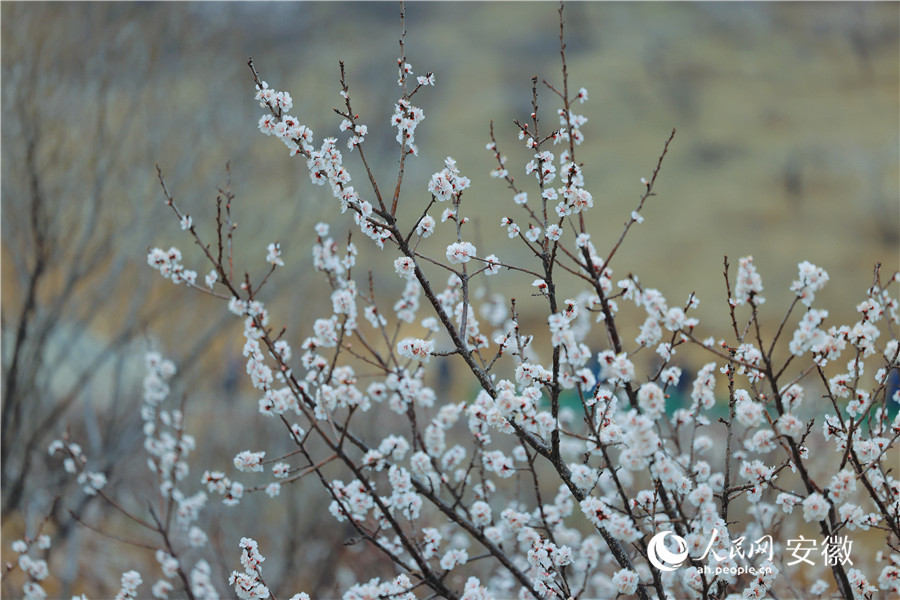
(787, 114)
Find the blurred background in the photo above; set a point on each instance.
(787, 149)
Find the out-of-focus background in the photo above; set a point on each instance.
(787, 149)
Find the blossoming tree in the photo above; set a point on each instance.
(571, 472)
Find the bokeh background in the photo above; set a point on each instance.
(787, 149)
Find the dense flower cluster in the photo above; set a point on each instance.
(168, 263)
(131, 580)
(249, 585)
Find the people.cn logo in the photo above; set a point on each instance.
(661, 557)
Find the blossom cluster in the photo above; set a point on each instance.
(297, 137)
(74, 463)
(168, 263)
(249, 585)
(448, 183)
(35, 569)
(131, 581)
